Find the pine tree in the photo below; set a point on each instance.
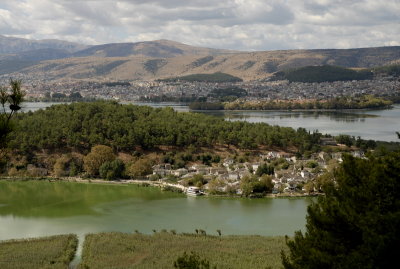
(357, 223)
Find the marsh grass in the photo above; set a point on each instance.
(45, 252)
(160, 250)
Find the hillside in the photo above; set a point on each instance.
(163, 59)
(154, 49)
(10, 45)
(214, 77)
(323, 73)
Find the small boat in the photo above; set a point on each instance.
(193, 191)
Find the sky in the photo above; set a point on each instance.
(249, 25)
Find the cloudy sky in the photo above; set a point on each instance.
(231, 24)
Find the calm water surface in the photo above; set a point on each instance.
(368, 124)
(38, 208)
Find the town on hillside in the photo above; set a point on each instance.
(186, 91)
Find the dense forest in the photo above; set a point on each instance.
(391, 70)
(324, 73)
(124, 127)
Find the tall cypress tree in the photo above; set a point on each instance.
(357, 223)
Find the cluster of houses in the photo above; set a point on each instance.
(229, 172)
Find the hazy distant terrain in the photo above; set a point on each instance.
(164, 59)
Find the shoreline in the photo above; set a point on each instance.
(221, 110)
(157, 184)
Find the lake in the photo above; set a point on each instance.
(42, 208)
(368, 124)
(39, 208)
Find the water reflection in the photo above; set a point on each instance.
(306, 115)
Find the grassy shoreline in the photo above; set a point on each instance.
(148, 183)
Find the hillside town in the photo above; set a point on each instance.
(286, 173)
(161, 90)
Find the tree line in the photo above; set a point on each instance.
(344, 102)
(124, 127)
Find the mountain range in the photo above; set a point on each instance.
(150, 60)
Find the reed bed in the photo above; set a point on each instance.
(45, 252)
(160, 250)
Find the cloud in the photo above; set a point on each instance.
(232, 24)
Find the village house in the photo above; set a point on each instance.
(328, 141)
(228, 162)
(180, 172)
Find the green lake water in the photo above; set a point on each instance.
(39, 208)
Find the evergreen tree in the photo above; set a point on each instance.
(10, 100)
(357, 223)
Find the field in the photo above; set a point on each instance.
(119, 250)
(46, 252)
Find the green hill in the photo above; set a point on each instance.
(323, 73)
(392, 70)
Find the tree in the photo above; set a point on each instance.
(265, 169)
(357, 223)
(141, 167)
(98, 155)
(191, 261)
(112, 169)
(344, 139)
(60, 166)
(11, 97)
(264, 184)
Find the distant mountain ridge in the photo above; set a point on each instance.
(11, 45)
(160, 59)
(156, 49)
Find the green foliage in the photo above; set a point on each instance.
(208, 158)
(62, 97)
(160, 250)
(324, 73)
(215, 77)
(265, 169)
(197, 180)
(46, 252)
(96, 158)
(60, 166)
(124, 127)
(356, 224)
(11, 97)
(191, 261)
(206, 106)
(112, 169)
(361, 102)
(311, 164)
(140, 168)
(252, 184)
(344, 139)
(391, 70)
